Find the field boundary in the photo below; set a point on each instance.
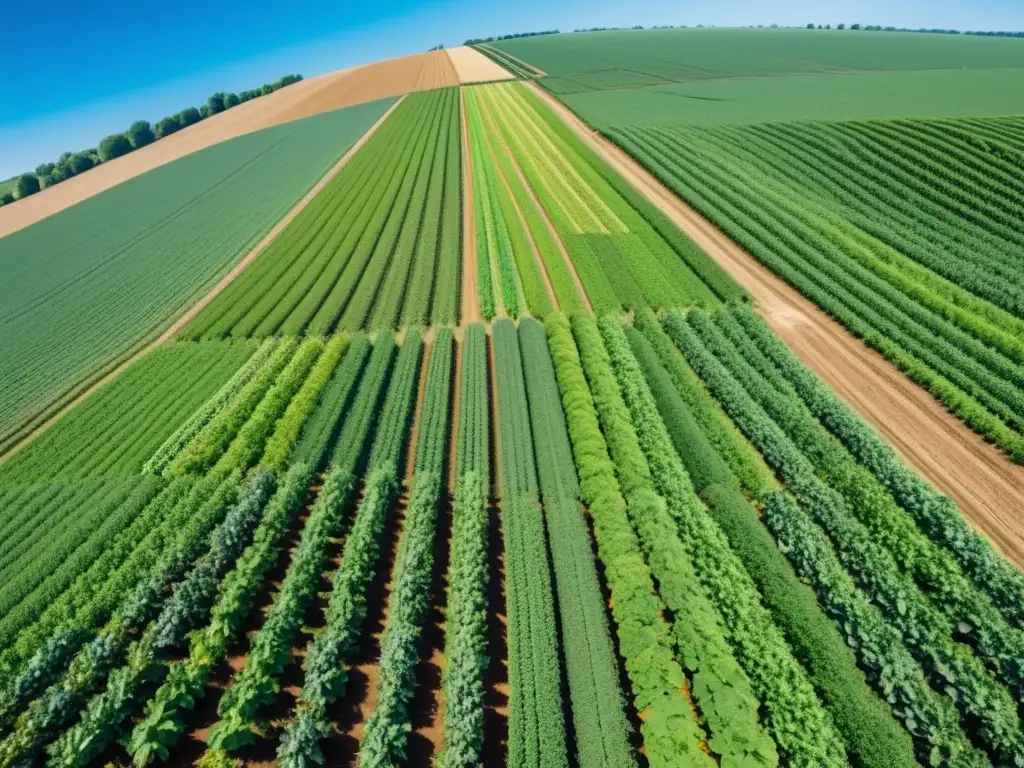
(985, 484)
(168, 334)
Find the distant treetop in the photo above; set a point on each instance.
(478, 40)
(138, 135)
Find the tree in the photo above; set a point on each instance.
(189, 116)
(80, 162)
(115, 145)
(6, 199)
(216, 103)
(810, 26)
(166, 127)
(44, 169)
(140, 134)
(27, 184)
(840, 26)
(855, 26)
(231, 100)
(204, 111)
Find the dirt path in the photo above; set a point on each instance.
(988, 487)
(470, 303)
(212, 294)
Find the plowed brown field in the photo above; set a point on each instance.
(344, 88)
(473, 67)
(988, 488)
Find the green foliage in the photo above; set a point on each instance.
(599, 718)
(25, 185)
(149, 247)
(898, 230)
(757, 642)
(115, 145)
(473, 452)
(951, 667)
(937, 515)
(279, 447)
(209, 444)
(139, 134)
(536, 729)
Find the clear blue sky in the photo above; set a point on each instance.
(75, 72)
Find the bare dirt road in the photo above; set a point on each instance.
(223, 283)
(988, 487)
(357, 85)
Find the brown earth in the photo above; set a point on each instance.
(988, 487)
(356, 85)
(470, 304)
(224, 282)
(473, 67)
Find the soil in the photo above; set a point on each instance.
(356, 85)
(414, 427)
(224, 282)
(986, 485)
(470, 304)
(473, 67)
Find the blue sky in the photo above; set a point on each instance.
(75, 72)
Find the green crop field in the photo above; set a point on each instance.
(530, 170)
(87, 286)
(619, 524)
(379, 248)
(884, 186)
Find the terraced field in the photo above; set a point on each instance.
(618, 524)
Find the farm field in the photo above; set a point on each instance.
(897, 228)
(554, 229)
(314, 95)
(142, 253)
(619, 523)
(378, 248)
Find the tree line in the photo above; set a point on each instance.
(139, 134)
(478, 40)
(880, 28)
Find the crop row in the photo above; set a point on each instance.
(466, 612)
(536, 727)
(599, 720)
(787, 437)
(119, 427)
(327, 657)
(625, 253)
(378, 247)
(384, 741)
(823, 223)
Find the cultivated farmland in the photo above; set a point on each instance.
(379, 248)
(142, 253)
(900, 229)
(618, 524)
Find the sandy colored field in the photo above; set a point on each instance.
(224, 282)
(988, 488)
(324, 93)
(473, 67)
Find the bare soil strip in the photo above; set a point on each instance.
(473, 67)
(470, 301)
(224, 282)
(988, 487)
